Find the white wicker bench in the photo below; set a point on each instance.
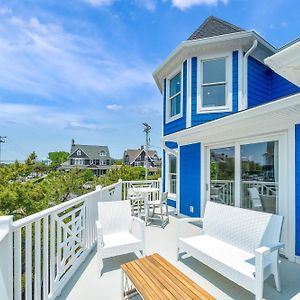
(240, 244)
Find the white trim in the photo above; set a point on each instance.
(291, 193)
(178, 181)
(189, 94)
(203, 176)
(228, 82)
(297, 259)
(168, 106)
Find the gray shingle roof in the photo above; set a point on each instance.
(92, 151)
(134, 153)
(213, 26)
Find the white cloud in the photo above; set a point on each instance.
(114, 107)
(45, 60)
(98, 3)
(148, 4)
(186, 4)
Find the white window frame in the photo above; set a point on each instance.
(167, 92)
(168, 176)
(228, 83)
(78, 152)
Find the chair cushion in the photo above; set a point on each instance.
(119, 239)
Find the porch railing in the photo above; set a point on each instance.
(223, 191)
(39, 253)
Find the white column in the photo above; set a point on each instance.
(6, 258)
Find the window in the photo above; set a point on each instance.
(258, 179)
(214, 84)
(174, 103)
(102, 153)
(78, 152)
(172, 174)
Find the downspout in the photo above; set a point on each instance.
(245, 77)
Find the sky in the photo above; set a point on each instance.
(82, 69)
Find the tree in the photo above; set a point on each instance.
(58, 157)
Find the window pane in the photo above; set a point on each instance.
(175, 106)
(172, 164)
(259, 173)
(213, 95)
(222, 175)
(175, 85)
(214, 71)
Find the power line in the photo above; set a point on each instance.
(2, 141)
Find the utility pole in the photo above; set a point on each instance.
(147, 129)
(2, 141)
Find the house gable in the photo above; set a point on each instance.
(78, 153)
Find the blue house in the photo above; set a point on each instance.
(231, 125)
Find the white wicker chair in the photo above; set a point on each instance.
(240, 244)
(114, 231)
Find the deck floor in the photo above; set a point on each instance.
(87, 285)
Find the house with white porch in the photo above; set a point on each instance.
(231, 125)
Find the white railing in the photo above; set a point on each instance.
(223, 191)
(46, 248)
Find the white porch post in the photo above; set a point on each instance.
(6, 258)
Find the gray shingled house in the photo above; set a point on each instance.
(137, 157)
(92, 157)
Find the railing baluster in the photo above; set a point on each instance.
(37, 260)
(45, 258)
(17, 264)
(28, 262)
(52, 253)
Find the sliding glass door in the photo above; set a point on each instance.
(259, 176)
(245, 175)
(222, 162)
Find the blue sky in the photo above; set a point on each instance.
(82, 69)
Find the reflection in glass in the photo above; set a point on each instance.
(259, 174)
(222, 175)
(172, 174)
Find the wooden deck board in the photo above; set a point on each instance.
(157, 279)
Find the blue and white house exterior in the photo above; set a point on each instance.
(231, 125)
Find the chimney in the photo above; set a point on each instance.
(142, 147)
(73, 142)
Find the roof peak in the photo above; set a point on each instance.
(213, 26)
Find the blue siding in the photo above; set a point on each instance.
(180, 123)
(297, 137)
(190, 173)
(264, 85)
(202, 118)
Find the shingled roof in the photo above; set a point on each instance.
(134, 153)
(213, 26)
(92, 151)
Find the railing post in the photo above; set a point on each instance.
(6, 258)
(120, 190)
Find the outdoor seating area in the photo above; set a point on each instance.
(87, 281)
(80, 248)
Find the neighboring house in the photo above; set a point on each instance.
(94, 158)
(137, 158)
(231, 121)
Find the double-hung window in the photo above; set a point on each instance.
(214, 84)
(174, 96)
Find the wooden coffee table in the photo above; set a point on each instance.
(154, 278)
